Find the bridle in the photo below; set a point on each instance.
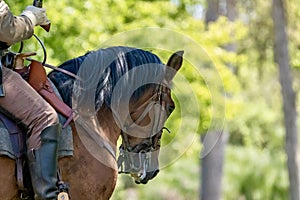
(136, 158)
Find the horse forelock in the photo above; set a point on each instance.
(122, 68)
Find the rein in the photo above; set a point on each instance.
(58, 69)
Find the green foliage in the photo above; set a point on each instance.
(256, 128)
(240, 87)
(257, 176)
(293, 17)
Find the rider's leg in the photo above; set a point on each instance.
(27, 107)
(43, 164)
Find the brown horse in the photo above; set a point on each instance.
(121, 92)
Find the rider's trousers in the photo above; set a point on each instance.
(26, 106)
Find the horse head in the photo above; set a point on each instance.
(144, 124)
(130, 92)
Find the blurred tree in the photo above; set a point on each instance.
(212, 163)
(281, 55)
(212, 11)
(213, 141)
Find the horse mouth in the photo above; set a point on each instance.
(144, 178)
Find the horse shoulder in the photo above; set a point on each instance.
(88, 178)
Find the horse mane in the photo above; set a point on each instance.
(105, 67)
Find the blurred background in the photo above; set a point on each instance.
(234, 131)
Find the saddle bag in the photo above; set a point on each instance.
(39, 81)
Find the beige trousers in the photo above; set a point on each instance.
(26, 106)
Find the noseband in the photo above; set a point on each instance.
(136, 158)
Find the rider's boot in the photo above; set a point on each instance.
(43, 164)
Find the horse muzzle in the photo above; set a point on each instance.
(144, 178)
(142, 166)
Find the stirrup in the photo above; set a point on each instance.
(63, 188)
(63, 196)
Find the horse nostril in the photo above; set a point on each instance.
(155, 173)
(150, 175)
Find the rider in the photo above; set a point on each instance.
(23, 104)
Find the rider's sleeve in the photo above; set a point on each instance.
(13, 28)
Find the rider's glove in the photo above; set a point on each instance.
(3, 7)
(36, 15)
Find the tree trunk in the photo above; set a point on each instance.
(231, 11)
(231, 14)
(214, 142)
(212, 11)
(212, 155)
(281, 55)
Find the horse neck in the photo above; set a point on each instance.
(108, 125)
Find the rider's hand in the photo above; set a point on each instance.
(36, 15)
(3, 7)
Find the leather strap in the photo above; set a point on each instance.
(48, 94)
(2, 92)
(9, 124)
(18, 143)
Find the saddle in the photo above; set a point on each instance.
(35, 75)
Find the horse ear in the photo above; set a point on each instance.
(175, 62)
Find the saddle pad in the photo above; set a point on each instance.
(65, 146)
